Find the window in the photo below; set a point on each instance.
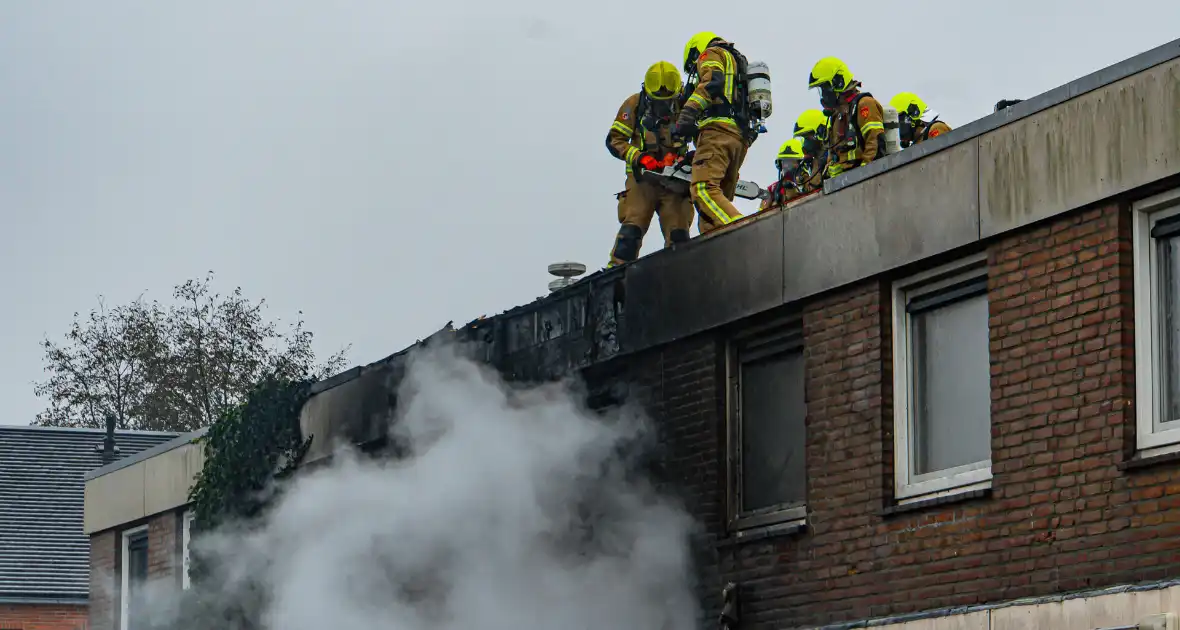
(187, 536)
(1156, 230)
(134, 577)
(767, 428)
(942, 382)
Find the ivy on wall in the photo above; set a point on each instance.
(250, 447)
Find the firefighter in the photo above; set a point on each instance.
(641, 136)
(717, 118)
(910, 113)
(812, 130)
(793, 174)
(857, 119)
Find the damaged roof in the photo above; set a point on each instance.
(44, 553)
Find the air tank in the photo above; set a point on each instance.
(758, 87)
(892, 132)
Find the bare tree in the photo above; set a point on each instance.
(173, 367)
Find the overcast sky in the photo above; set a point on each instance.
(389, 166)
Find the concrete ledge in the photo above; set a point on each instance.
(145, 454)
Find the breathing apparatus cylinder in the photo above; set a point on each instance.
(758, 89)
(892, 132)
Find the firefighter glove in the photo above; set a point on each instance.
(648, 162)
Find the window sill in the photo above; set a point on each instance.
(763, 532)
(921, 504)
(1149, 458)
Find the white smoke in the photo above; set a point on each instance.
(512, 508)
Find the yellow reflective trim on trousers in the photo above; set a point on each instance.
(715, 209)
(624, 129)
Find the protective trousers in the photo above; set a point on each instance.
(637, 204)
(719, 157)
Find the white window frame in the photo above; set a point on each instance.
(186, 539)
(786, 334)
(1148, 405)
(124, 574)
(910, 488)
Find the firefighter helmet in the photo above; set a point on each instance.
(812, 122)
(908, 104)
(696, 47)
(791, 149)
(831, 72)
(662, 81)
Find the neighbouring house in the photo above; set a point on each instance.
(44, 552)
(139, 527)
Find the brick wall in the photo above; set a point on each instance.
(104, 552)
(42, 617)
(1065, 512)
(164, 563)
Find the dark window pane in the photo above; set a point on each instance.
(137, 575)
(1168, 259)
(772, 415)
(952, 410)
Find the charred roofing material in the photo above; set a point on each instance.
(44, 552)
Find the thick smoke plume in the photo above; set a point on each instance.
(508, 508)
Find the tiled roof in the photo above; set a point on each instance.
(44, 553)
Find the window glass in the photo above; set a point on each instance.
(1168, 260)
(952, 386)
(136, 566)
(773, 414)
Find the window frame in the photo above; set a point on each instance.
(780, 336)
(124, 574)
(186, 520)
(909, 488)
(1146, 214)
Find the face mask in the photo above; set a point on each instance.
(659, 113)
(812, 146)
(828, 98)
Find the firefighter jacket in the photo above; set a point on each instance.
(924, 132)
(629, 137)
(710, 104)
(857, 125)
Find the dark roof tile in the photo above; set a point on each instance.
(43, 550)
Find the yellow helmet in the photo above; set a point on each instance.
(908, 104)
(812, 122)
(830, 70)
(698, 43)
(791, 150)
(662, 81)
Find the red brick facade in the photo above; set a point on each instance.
(1068, 508)
(165, 535)
(42, 617)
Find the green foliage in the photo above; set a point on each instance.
(174, 367)
(250, 447)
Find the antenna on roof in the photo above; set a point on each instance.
(565, 272)
(108, 447)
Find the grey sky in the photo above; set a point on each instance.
(389, 166)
